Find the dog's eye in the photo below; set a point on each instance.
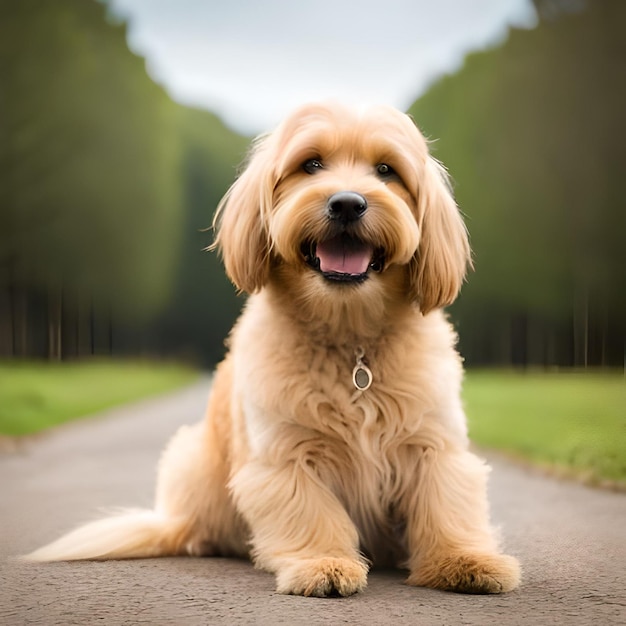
(385, 171)
(311, 166)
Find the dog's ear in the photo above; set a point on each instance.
(240, 226)
(438, 268)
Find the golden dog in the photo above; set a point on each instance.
(335, 434)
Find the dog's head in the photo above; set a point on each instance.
(343, 200)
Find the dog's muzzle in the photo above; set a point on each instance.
(343, 257)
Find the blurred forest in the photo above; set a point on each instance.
(533, 134)
(106, 186)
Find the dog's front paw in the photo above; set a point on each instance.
(322, 577)
(488, 573)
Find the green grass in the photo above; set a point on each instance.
(35, 396)
(573, 423)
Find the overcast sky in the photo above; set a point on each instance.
(251, 61)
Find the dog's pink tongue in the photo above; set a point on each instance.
(344, 256)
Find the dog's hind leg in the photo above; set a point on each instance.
(193, 513)
(192, 488)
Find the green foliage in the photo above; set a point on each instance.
(92, 199)
(531, 133)
(204, 305)
(574, 423)
(35, 396)
(105, 186)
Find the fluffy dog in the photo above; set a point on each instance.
(334, 435)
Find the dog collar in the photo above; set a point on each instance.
(361, 374)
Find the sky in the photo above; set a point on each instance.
(253, 61)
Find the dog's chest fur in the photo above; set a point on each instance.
(300, 405)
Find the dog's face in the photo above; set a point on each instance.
(342, 204)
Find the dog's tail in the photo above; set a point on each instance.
(129, 534)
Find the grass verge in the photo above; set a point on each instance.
(35, 396)
(572, 423)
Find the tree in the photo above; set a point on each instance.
(530, 132)
(91, 208)
(104, 185)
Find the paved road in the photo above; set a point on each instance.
(571, 541)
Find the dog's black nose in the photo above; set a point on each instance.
(346, 206)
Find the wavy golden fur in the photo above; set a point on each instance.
(343, 229)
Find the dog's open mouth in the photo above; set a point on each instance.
(343, 258)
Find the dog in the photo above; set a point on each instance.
(335, 435)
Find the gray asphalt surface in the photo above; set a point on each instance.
(570, 539)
